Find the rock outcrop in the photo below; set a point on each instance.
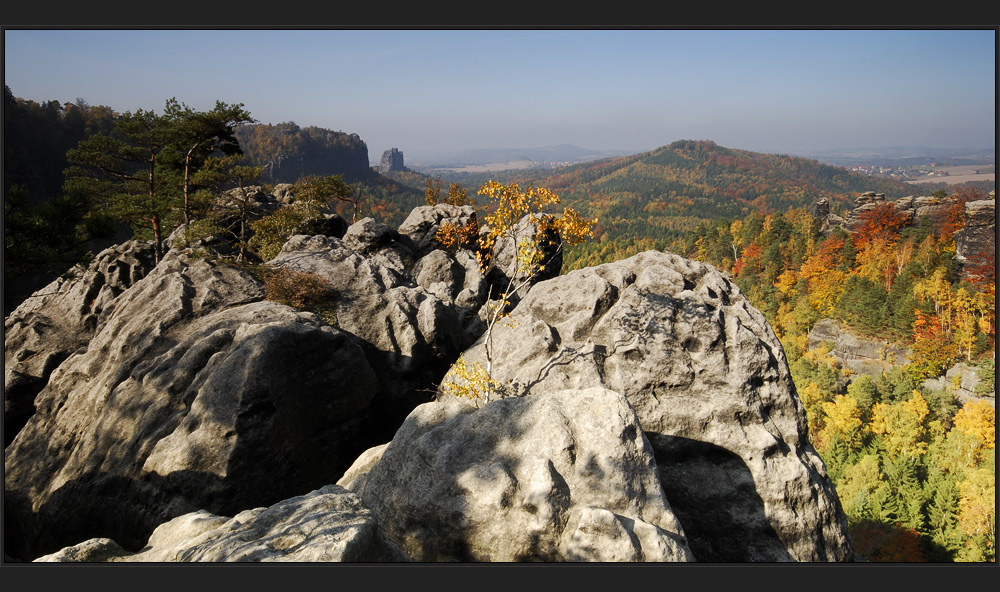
(978, 237)
(962, 380)
(857, 354)
(328, 524)
(60, 319)
(862, 356)
(913, 208)
(710, 385)
(560, 476)
(182, 390)
(414, 313)
(651, 414)
(392, 160)
(182, 401)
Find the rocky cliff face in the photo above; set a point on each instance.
(328, 524)
(978, 237)
(653, 419)
(914, 208)
(60, 319)
(975, 243)
(872, 357)
(288, 152)
(562, 476)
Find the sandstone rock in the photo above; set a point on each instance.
(392, 160)
(60, 319)
(284, 193)
(709, 382)
(356, 475)
(99, 550)
(190, 395)
(560, 476)
(414, 314)
(914, 209)
(423, 223)
(858, 354)
(328, 524)
(961, 380)
(978, 237)
(822, 208)
(367, 236)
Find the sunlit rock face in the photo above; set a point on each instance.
(560, 476)
(326, 525)
(709, 382)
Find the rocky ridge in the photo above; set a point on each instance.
(977, 236)
(866, 356)
(650, 416)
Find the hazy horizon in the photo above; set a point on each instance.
(435, 92)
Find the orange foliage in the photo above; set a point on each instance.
(454, 236)
(954, 218)
(751, 254)
(880, 222)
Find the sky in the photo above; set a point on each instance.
(431, 93)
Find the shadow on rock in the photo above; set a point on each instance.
(712, 492)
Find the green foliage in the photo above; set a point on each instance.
(145, 171)
(863, 304)
(986, 372)
(272, 231)
(322, 191)
(37, 137)
(198, 230)
(50, 238)
(200, 135)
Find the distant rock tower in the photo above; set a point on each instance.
(392, 160)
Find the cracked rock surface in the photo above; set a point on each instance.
(709, 382)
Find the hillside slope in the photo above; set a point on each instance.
(662, 193)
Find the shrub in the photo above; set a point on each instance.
(271, 232)
(303, 290)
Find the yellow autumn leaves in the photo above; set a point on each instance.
(507, 206)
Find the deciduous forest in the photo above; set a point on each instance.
(914, 468)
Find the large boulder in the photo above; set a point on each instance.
(415, 310)
(423, 223)
(328, 524)
(58, 320)
(560, 476)
(709, 382)
(191, 395)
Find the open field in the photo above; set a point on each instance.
(960, 174)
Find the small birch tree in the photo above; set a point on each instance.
(514, 219)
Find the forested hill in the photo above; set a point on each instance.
(289, 152)
(704, 179)
(662, 193)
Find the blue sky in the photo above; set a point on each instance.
(432, 92)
